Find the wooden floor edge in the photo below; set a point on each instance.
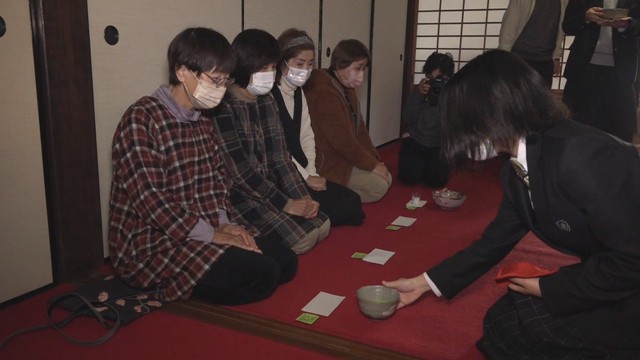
(282, 332)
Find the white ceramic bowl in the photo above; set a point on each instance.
(377, 301)
(615, 13)
(448, 199)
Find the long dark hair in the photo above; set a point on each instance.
(494, 100)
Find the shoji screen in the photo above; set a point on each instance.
(25, 257)
(465, 28)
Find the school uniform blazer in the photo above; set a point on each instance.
(585, 190)
(625, 43)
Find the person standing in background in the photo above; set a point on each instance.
(532, 29)
(602, 67)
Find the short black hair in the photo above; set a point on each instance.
(254, 49)
(346, 52)
(495, 98)
(199, 50)
(437, 60)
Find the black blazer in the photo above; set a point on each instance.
(625, 44)
(585, 188)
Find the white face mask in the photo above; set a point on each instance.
(353, 79)
(261, 82)
(206, 95)
(297, 77)
(483, 153)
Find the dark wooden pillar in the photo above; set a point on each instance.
(65, 99)
(409, 51)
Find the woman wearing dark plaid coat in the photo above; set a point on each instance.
(267, 190)
(169, 210)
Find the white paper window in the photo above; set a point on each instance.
(465, 28)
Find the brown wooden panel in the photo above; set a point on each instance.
(65, 97)
(409, 53)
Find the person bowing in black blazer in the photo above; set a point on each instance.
(579, 193)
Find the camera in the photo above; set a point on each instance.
(437, 84)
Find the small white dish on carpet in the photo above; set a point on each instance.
(448, 199)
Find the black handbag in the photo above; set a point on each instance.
(109, 300)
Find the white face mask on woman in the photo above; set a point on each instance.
(206, 95)
(261, 82)
(297, 77)
(352, 79)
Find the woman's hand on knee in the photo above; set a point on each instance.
(382, 171)
(234, 235)
(305, 207)
(317, 183)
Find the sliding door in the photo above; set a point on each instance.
(25, 256)
(346, 20)
(387, 69)
(275, 16)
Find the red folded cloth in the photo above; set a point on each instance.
(521, 270)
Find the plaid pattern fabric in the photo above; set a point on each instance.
(520, 327)
(260, 167)
(167, 174)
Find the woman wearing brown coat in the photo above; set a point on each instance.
(344, 151)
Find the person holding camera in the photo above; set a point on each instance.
(420, 159)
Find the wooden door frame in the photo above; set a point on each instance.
(62, 57)
(409, 53)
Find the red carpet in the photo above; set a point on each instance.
(432, 328)
(159, 335)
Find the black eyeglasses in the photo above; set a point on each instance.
(221, 81)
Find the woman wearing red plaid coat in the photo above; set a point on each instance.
(169, 220)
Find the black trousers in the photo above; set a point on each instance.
(598, 99)
(240, 276)
(422, 164)
(341, 204)
(520, 327)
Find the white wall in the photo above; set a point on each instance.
(25, 258)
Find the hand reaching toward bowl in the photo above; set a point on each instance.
(410, 289)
